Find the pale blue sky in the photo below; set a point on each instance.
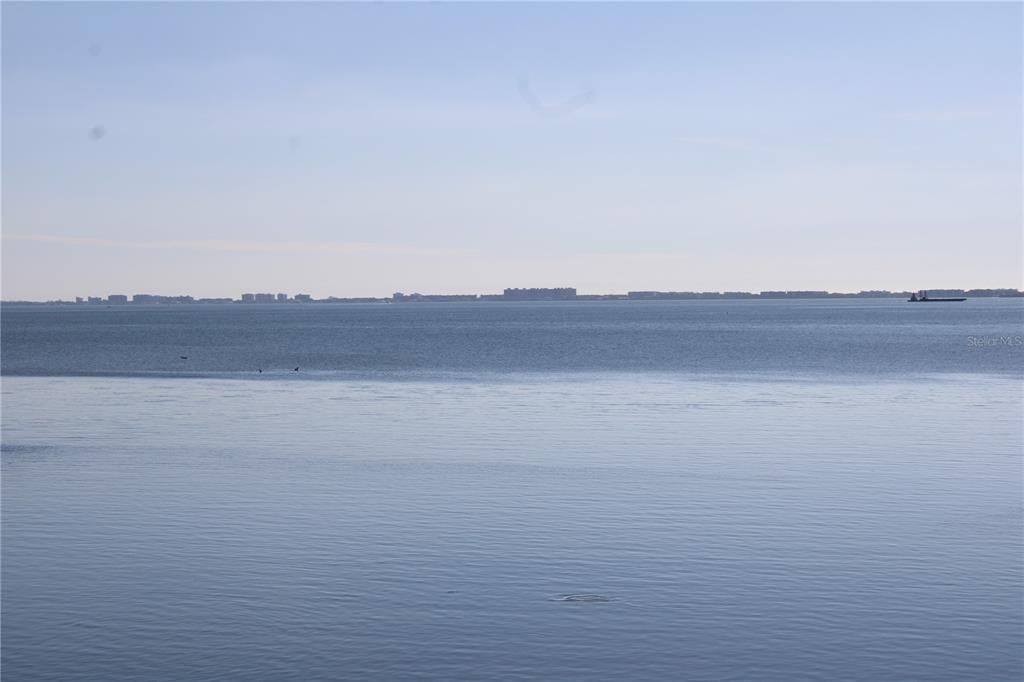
(360, 149)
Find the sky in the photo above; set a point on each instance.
(212, 149)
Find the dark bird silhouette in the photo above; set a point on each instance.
(260, 370)
(296, 369)
(183, 357)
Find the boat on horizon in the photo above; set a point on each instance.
(922, 297)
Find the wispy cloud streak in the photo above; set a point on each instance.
(241, 246)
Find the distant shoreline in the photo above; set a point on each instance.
(510, 295)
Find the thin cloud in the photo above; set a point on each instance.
(240, 246)
(725, 142)
(942, 115)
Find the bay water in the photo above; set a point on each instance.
(703, 490)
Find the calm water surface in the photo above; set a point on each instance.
(563, 491)
(824, 337)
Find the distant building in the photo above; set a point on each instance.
(117, 298)
(993, 292)
(303, 298)
(282, 298)
(557, 294)
(359, 299)
(794, 294)
(152, 298)
(93, 300)
(399, 297)
(248, 298)
(875, 293)
(79, 299)
(674, 295)
(265, 298)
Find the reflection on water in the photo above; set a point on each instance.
(623, 526)
(823, 338)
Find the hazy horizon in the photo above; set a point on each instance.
(362, 149)
(291, 293)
